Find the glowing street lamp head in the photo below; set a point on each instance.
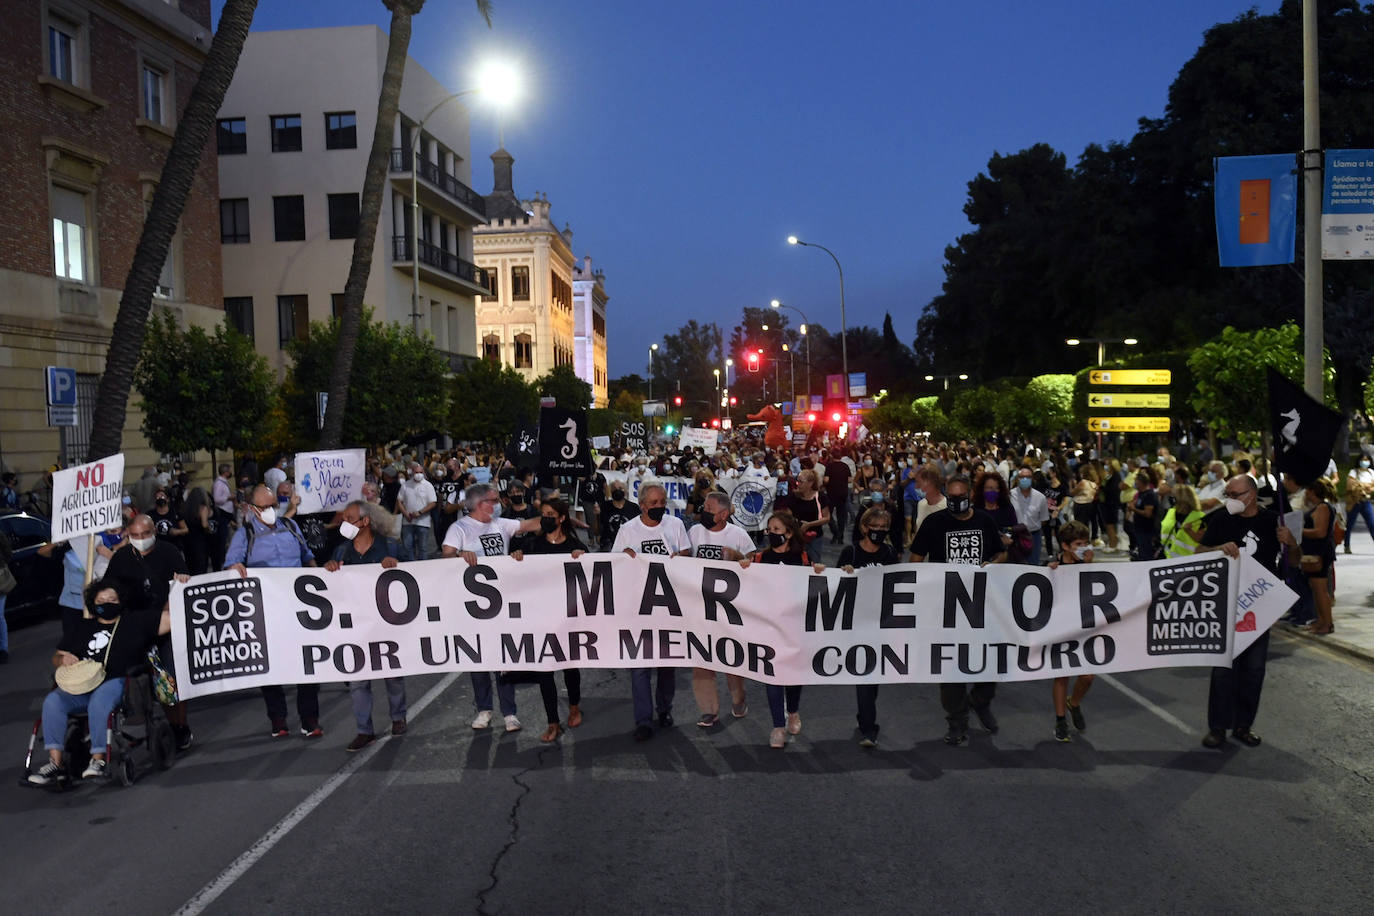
(803, 329)
(930, 378)
(792, 240)
(653, 346)
(764, 326)
(776, 304)
(1130, 341)
(1073, 341)
(963, 377)
(498, 81)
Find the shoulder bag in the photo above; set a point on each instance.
(87, 674)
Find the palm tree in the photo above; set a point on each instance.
(370, 208)
(169, 200)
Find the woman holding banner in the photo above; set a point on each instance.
(785, 548)
(556, 537)
(870, 549)
(1075, 546)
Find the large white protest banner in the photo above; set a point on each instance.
(328, 481)
(698, 437)
(776, 624)
(88, 498)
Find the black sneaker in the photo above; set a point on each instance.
(1246, 737)
(643, 733)
(184, 736)
(1214, 738)
(868, 741)
(1061, 731)
(361, 741)
(49, 774)
(984, 714)
(957, 734)
(707, 720)
(1076, 714)
(665, 720)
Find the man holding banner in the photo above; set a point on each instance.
(716, 538)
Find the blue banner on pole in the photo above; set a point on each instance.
(1256, 209)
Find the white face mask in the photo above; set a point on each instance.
(418, 476)
(143, 545)
(1235, 506)
(348, 529)
(268, 516)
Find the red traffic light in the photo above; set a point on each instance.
(733, 400)
(716, 424)
(835, 416)
(677, 401)
(811, 418)
(753, 362)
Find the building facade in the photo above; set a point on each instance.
(92, 93)
(589, 327)
(527, 317)
(292, 141)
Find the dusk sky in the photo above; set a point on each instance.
(684, 142)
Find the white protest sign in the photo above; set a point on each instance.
(328, 481)
(910, 623)
(677, 488)
(601, 442)
(88, 498)
(698, 437)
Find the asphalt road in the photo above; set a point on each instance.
(1133, 816)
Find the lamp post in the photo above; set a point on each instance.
(652, 348)
(1101, 344)
(782, 305)
(792, 375)
(716, 373)
(725, 391)
(499, 83)
(963, 377)
(844, 345)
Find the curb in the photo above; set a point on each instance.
(1364, 653)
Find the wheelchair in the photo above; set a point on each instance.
(139, 738)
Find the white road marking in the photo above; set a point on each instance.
(1153, 707)
(225, 880)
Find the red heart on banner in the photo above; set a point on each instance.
(1247, 623)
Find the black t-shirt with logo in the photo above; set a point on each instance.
(612, 518)
(858, 558)
(163, 523)
(133, 634)
(946, 539)
(315, 529)
(1256, 536)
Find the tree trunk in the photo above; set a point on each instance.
(370, 208)
(169, 200)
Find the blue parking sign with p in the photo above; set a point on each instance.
(61, 387)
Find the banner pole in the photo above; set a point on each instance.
(1312, 207)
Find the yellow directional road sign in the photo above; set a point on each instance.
(1151, 401)
(1128, 424)
(1130, 377)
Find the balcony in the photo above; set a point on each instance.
(439, 191)
(439, 267)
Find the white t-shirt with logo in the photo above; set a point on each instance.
(709, 545)
(485, 539)
(665, 539)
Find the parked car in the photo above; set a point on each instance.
(39, 578)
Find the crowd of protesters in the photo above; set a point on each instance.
(880, 499)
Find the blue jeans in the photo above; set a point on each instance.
(97, 705)
(418, 541)
(1361, 509)
(481, 693)
(4, 627)
(661, 699)
(776, 696)
(361, 694)
(1037, 547)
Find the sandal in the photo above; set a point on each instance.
(551, 733)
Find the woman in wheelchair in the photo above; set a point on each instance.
(115, 638)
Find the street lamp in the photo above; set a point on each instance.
(652, 348)
(716, 373)
(1101, 344)
(782, 305)
(844, 345)
(963, 377)
(792, 373)
(499, 83)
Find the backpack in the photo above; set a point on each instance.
(290, 526)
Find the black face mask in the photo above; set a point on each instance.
(958, 504)
(657, 514)
(775, 539)
(547, 524)
(108, 611)
(517, 499)
(617, 495)
(707, 518)
(877, 537)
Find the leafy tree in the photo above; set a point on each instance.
(562, 384)
(974, 413)
(202, 391)
(632, 384)
(375, 187)
(892, 417)
(628, 403)
(194, 123)
(489, 402)
(398, 389)
(684, 362)
(928, 417)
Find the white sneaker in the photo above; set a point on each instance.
(512, 724)
(48, 774)
(95, 769)
(482, 720)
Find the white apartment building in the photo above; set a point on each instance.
(589, 329)
(293, 140)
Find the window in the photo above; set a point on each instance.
(288, 215)
(232, 136)
(233, 221)
(238, 312)
(153, 86)
(490, 283)
(166, 279)
(286, 133)
(561, 291)
(62, 37)
(293, 319)
(340, 130)
(524, 351)
(69, 234)
(336, 303)
(343, 216)
(520, 283)
(491, 349)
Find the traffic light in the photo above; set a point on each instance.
(716, 423)
(677, 400)
(811, 417)
(753, 361)
(733, 400)
(668, 429)
(836, 416)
